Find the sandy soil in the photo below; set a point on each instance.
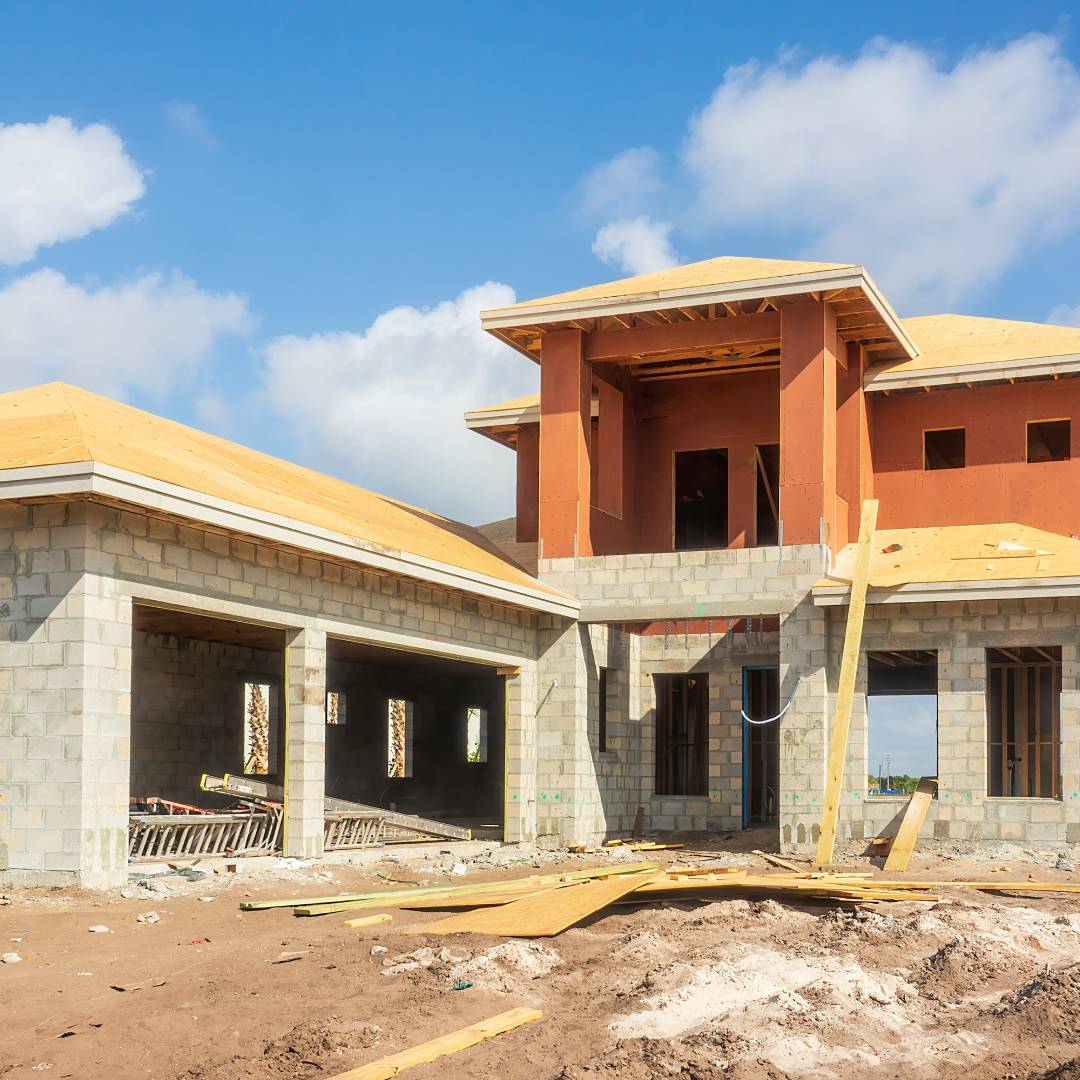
(978, 985)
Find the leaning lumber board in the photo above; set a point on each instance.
(368, 920)
(452, 1043)
(845, 688)
(904, 842)
(477, 900)
(543, 915)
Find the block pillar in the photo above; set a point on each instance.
(808, 423)
(305, 743)
(521, 756)
(568, 805)
(565, 426)
(65, 704)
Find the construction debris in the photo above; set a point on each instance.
(904, 842)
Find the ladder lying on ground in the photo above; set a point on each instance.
(255, 830)
(346, 824)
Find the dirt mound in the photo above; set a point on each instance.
(1046, 1009)
(960, 968)
(506, 968)
(308, 1049)
(647, 1059)
(1069, 1070)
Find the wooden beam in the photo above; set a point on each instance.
(914, 816)
(656, 340)
(845, 690)
(453, 1043)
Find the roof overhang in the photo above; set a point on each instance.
(106, 482)
(516, 317)
(829, 595)
(884, 377)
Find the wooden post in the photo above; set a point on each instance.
(845, 690)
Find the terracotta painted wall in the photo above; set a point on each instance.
(997, 483)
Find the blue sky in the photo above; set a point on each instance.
(290, 215)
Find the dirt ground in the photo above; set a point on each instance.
(977, 985)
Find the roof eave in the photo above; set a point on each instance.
(1030, 368)
(921, 592)
(107, 481)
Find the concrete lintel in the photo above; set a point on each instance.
(686, 609)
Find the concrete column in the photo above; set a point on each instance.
(1070, 740)
(565, 426)
(521, 755)
(962, 743)
(804, 651)
(65, 704)
(305, 743)
(568, 806)
(807, 422)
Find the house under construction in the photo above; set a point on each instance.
(661, 626)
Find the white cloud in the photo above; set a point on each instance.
(383, 406)
(146, 334)
(186, 118)
(936, 176)
(1063, 315)
(59, 182)
(624, 184)
(636, 245)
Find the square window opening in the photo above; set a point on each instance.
(260, 729)
(944, 448)
(601, 714)
(335, 708)
(476, 736)
(901, 708)
(1048, 440)
(701, 499)
(399, 739)
(1024, 723)
(682, 734)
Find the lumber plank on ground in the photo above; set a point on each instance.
(452, 1043)
(845, 689)
(386, 894)
(368, 920)
(914, 815)
(777, 861)
(541, 915)
(476, 900)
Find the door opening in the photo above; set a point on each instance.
(761, 746)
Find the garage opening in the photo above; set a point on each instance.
(206, 697)
(423, 735)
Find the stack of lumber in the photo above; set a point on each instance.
(546, 905)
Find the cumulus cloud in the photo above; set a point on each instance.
(59, 182)
(186, 118)
(625, 184)
(937, 176)
(636, 245)
(383, 406)
(146, 334)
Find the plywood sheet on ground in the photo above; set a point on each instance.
(541, 915)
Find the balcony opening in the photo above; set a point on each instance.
(1048, 440)
(1024, 714)
(701, 499)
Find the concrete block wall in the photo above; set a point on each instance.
(305, 743)
(960, 632)
(187, 711)
(69, 574)
(722, 658)
(739, 575)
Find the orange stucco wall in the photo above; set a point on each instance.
(997, 483)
